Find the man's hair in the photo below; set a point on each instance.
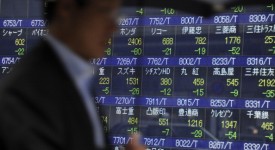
(49, 8)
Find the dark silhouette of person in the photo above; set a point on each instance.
(45, 103)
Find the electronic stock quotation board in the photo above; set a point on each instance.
(183, 81)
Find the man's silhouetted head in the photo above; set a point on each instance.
(83, 25)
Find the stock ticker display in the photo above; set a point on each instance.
(183, 81)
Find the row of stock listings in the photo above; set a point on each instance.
(183, 81)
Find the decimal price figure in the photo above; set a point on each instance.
(137, 51)
(132, 81)
(135, 41)
(135, 91)
(197, 133)
(132, 130)
(195, 123)
(270, 42)
(224, 82)
(168, 11)
(266, 83)
(166, 81)
(233, 40)
(199, 92)
(268, 126)
(104, 81)
(167, 51)
(166, 91)
(236, 50)
(20, 51)
(202, 42)
(233, 83)
(166, 131)
(108, 50)
(167, 41)
(168, 44)
(229, 124)
(163, 122)
(232, 135)
(133, 121)
(20, 43)
(238, 9)
(201, 51)
(135, 44)
(105, 121)
(271, 7)
(198, 82)
(272, 50)
(269, 93)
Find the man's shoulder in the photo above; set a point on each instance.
(40, 91)
(38, 71)
(27, 106)
(38, 59)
